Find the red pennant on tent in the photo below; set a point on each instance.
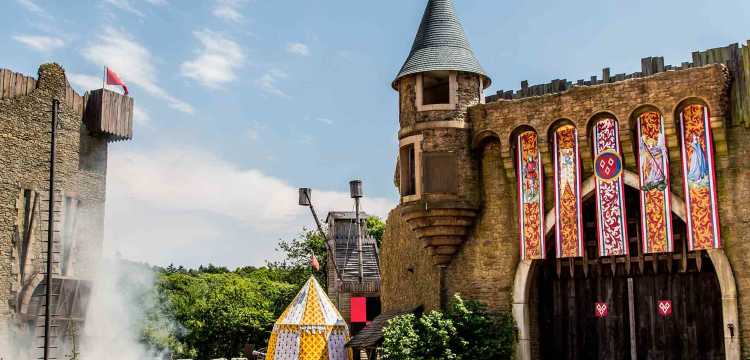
(314, 263)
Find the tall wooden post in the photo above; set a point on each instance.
(50, 229)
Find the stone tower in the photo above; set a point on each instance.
(436, 175)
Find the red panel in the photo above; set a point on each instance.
(359, 310)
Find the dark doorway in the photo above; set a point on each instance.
(632, 288)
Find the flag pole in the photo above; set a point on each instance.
(104, 78)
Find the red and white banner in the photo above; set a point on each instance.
(530, 196)
(567, 186)
(699, 178)
(610, 189)
(653, 171)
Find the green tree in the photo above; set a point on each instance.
(376, 229)
(212, 312)
(223, 311)
(297, 255)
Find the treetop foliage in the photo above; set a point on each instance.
(213, 311)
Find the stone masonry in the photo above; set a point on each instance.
(25, 118)
(484, 267)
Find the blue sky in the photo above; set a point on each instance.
(241, 101)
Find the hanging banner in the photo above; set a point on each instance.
(699, 178)
(530, 195)
(568, 224)
(653, 171)
(610, 190)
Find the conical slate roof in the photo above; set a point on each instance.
(441, 44)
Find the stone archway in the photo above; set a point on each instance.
(525, 274)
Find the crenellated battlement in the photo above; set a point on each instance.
(733, 56)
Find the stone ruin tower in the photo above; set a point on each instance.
(436, 175)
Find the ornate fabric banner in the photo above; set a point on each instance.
(653, 171)
(699, 178)
(530, 195)
(568, 224)
(610, 190)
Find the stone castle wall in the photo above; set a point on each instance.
(485, 266)
(24, 157)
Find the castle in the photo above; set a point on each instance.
(607, 214)
(85, 126)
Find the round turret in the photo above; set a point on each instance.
(437, 177)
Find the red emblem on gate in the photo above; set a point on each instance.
(601, 310)
(608, 166)
(664, 308)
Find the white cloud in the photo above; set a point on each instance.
(253, 132)
(229, 10)
(141, 116)
(30, 5)
(158, 2)
(216, 62)
(84, 82)
(268, 82)
(298, 49)
(189, 206)
(133, 62)
(40, 43)
(125, 5)
(325, 121)
(306, 139)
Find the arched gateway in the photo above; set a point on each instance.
(667, 306)
(555, 180)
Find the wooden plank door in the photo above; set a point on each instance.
(568, 326)
(693, 330)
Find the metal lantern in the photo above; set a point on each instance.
(355, 188)
(305, 194)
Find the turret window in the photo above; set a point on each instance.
(436, 90)
(410, 174)
(408, 167)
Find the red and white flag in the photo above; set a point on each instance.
(314, 263)
(111, 78)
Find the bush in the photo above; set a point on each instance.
(400, 339)
(466, 332)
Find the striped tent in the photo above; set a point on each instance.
(311, 328)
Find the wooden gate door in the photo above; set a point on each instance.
(664, 307)
(688, 325)
(678, 315)
(568, 324)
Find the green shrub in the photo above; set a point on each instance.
(466, 332)
(400, 338)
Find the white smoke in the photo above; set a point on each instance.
(120, 302)
(15, 345)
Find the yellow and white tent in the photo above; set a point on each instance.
(311, 328)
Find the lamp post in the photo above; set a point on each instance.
(355, 190)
